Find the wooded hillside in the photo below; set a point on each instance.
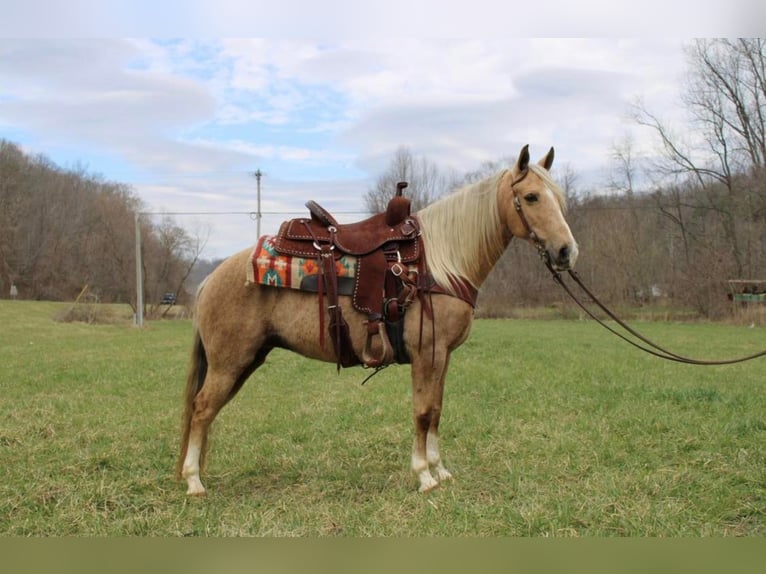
(64, 229)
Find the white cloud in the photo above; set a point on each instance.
(86, 92)
(323, 118)
(280, 152)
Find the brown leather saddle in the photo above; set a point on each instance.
(388, 249)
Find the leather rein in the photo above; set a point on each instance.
(648, 346)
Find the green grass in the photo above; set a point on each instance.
(551, 428)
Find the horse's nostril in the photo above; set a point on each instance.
(564, 254)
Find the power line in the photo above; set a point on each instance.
(195, 212)
(250, 213)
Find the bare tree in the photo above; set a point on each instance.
(725, 161)
(487, 168)
(172, 253)
(569, 180)
(110, 247)
(13, 165)
(725, 96)
(426, 181)
(624, 172)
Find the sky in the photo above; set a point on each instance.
(186, 115)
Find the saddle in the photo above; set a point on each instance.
(388, 249)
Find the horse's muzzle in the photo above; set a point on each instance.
(564, 257)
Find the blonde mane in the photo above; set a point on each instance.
(463, 232)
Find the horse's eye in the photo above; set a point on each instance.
(531, 198)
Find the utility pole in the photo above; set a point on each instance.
(139, 275)
(258, 175)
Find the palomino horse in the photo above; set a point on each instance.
(464, 234)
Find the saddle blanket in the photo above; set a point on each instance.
(267, 267)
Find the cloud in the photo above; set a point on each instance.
(166, 105)
(87, 92)
(547, 106)
(282, 153)
(322, 119)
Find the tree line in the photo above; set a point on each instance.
(673, 226)
(64, 232)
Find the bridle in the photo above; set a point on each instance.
(648, 346)
(531, 235)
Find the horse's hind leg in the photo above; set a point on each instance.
(219, 387)
(214, 394)
(427, 394)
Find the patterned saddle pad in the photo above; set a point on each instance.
(267, 267)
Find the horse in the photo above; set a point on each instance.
(464, 233)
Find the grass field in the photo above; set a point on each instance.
(551, 428)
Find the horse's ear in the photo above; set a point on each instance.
(547, 161)
(523, 162)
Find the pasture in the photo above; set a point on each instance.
(551, 428)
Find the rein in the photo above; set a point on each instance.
(649, 346)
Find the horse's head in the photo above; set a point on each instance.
(532, 207)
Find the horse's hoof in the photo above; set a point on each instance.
(426, 488)
(443, 474)
(427, 482)
(195, 487)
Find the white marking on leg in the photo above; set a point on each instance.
(432, 448)
(434, 458)
(191, 470)
(420, 468)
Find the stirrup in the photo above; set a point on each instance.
(387, 355)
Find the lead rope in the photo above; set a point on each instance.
(652, 348)
(655, 349)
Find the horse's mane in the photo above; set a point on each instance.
(463, 233)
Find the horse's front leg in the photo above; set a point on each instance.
(427, 393)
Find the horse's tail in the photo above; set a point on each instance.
(194, 381)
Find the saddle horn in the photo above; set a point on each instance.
(399, 207)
